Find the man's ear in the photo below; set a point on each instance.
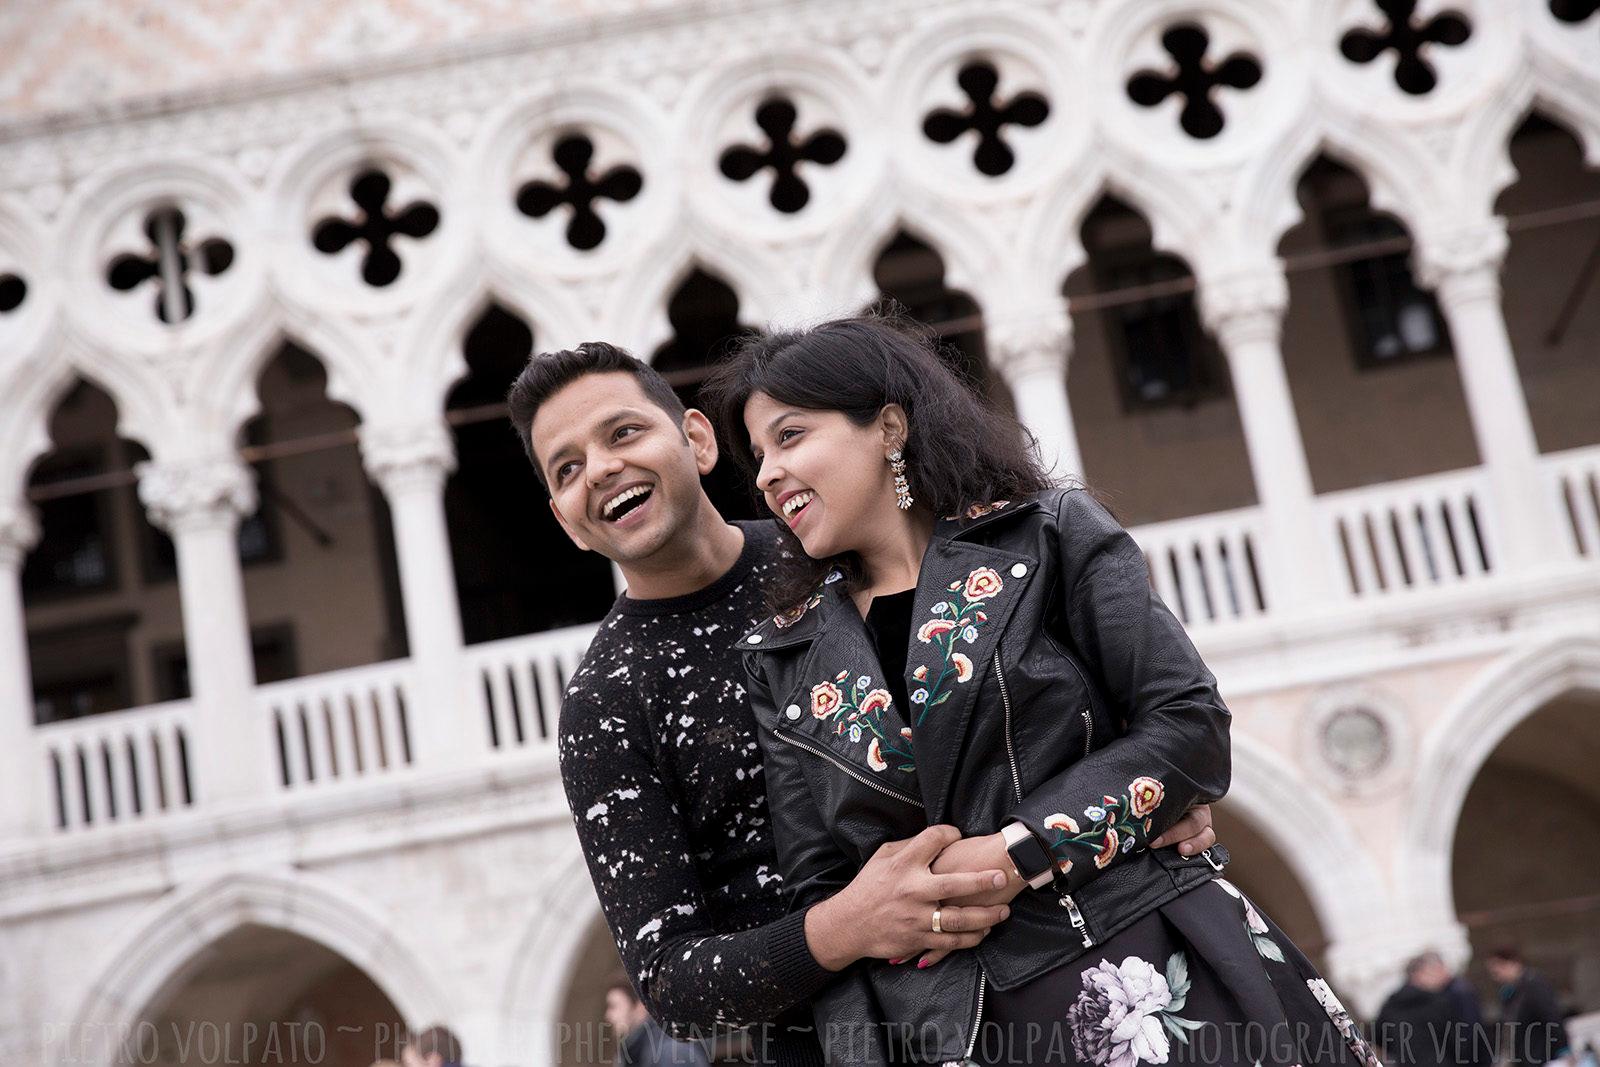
(702, 438)
(567, 529)
(896, 427)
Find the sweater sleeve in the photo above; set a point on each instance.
(633, 835)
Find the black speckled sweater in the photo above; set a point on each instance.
(663, 774)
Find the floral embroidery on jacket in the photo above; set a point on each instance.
(1128, 1013)
(788, 618)
(955, 618)
(858, 711)
(1114, 823)
(978, 511)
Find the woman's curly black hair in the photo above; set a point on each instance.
(960, 449)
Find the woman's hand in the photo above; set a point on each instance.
(886, 912)
(974, 853)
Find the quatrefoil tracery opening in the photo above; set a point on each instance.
(172, 257)
(377, 227)
(13, 291)
(1409, 39)
(987, 116)
(1194, 79)
(573, 154)
(783, 154)
(1574, 10)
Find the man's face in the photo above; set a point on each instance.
(624, 478)
(1503, 971)
(620, 1011)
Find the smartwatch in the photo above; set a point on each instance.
(1029, 858)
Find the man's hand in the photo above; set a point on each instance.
(886, 912)
(1192, 833)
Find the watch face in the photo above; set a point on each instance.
(1029, 856)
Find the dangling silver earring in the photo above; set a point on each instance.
(902, 488)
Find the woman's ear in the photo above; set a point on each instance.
(896, 428)
(697, 430)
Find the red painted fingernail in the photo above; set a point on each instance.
(923, 962)
(902, 959)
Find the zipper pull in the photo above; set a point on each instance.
(1077, 919)
(1211, 860)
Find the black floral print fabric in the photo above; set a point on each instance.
(1205, 979)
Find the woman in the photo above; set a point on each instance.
(956, 641)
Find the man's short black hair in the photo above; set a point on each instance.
(549, 372)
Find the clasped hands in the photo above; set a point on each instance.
(886, 911)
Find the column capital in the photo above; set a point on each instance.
(1463, 263)
(401, 456)
(196, 493)
(19, 531)
(1029, 342)
(1245, 306)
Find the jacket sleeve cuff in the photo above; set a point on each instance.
(794, 967)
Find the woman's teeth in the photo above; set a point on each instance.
(796, 502)
(611, 506)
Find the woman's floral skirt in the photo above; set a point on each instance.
(1203, 979)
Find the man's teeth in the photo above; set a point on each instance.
(796, 502)
(623, 497)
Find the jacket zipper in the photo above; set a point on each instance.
(846, 768)
(977, 1016)
(1067, 902)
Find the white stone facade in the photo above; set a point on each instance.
(449, 874)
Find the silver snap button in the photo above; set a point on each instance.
(792, 711)
(1018, 570)
(754, 639)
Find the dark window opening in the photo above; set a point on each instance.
(516, 571)
(1164, 356)
(704, 313)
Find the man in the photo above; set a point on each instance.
(1530, 1016)
(657, 744)
(1426, 1021)
(641, 1043)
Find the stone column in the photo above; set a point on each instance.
(1245, 312)
(1463, 269)
(199, 503)
(410, 464)
(21, 783)
(1030, 352)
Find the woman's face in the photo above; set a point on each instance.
(825, 476)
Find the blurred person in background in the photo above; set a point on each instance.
(1530, 1015)
(1432, 1019)
(640, 1042)
(434, 1047)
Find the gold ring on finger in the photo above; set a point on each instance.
(936, 927)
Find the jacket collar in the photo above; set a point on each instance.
(802, 622)
(966, 592)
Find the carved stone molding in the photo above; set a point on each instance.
(406, 458)
(1463, 264)
(196, 494)
(1023, 345)
(19, 532)
(1245, 308)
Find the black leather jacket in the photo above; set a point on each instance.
(1050, 685)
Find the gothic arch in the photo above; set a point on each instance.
(152, 952)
